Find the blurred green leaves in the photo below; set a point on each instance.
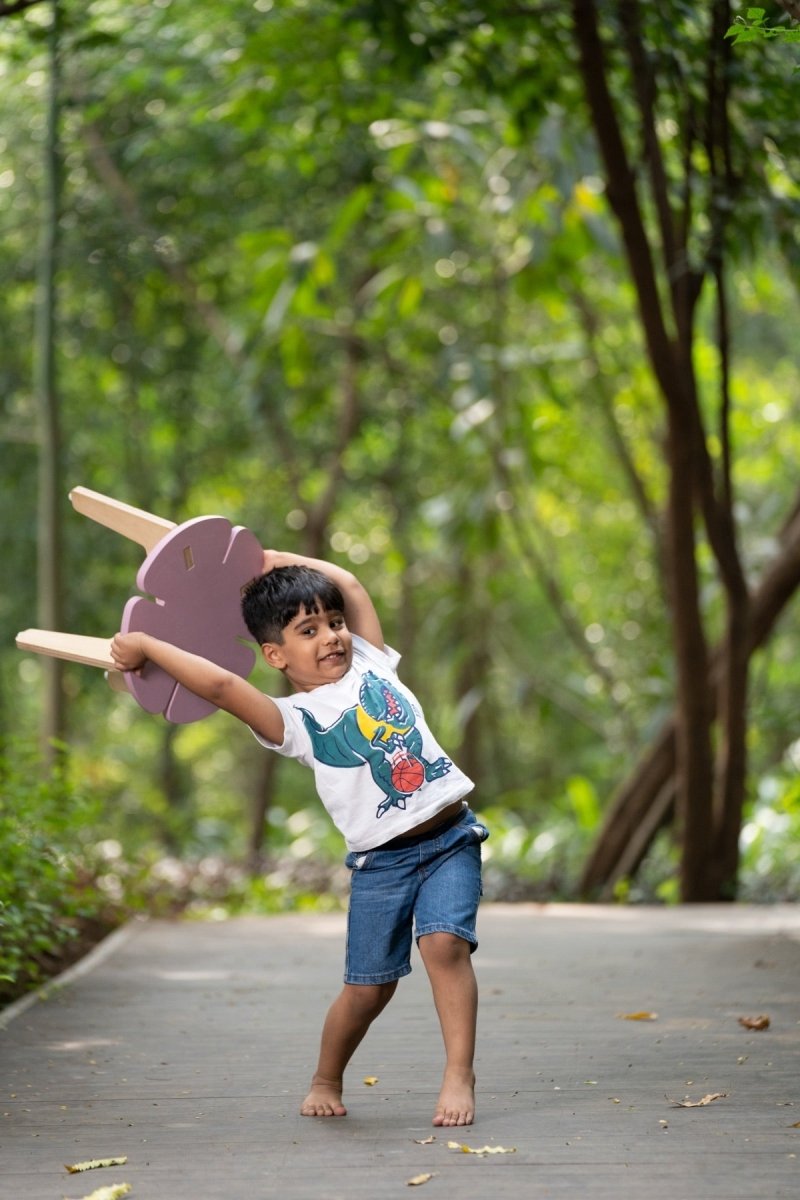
(348, 272)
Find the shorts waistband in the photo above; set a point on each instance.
(416, 839)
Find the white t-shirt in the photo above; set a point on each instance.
(379, 770)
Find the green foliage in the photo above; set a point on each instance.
(771, 835)
(346, 274)
(46, 893)
(753, 27)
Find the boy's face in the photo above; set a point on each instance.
(317, 648)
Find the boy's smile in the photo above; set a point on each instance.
(317, 648)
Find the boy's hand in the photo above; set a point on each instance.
(127, 652)
(272, 559)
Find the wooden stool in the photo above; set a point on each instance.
(193, 576)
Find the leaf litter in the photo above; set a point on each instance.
(760, 1022)
(94, 1163)
(420, 1179)
(482, 1150)
(114, 1191)
(687, 1103)
(638, 1016)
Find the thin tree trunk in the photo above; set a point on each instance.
(174, 791)
(730, 784)
(731, 777)
(694, 771)
(262, 796)
(50, 600)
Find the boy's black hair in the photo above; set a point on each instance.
(270, 602)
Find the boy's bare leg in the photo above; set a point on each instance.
(348, 1019)
(455, 993)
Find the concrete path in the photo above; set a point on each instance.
(187, 1047)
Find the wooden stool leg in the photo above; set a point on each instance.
(74, 647)
(134, 523)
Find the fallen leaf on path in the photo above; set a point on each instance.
(709, 1099)
(481, 1149)
(425, 1141)
(370, 1080)
(115, 1191)
(795, 1126)
(418, 1179)
(93, 1163)
(761, 1022)
(638, 1016)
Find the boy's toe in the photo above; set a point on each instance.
(323, 1102)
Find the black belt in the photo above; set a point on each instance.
(416, 839)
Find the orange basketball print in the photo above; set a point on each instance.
(408, 772)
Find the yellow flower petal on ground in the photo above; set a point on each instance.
(370, 1080)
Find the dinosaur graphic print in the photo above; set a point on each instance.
(381, 732)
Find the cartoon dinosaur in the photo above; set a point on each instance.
(380, 731)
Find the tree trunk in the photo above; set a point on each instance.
(645, 800)
(730, 784)
(694, 776)
(50, 598)
(671, 362)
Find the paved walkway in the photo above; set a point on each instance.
(187, 1047)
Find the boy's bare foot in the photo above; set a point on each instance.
(456, 1104)
(324, 1100)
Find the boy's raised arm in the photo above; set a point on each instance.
(359, 613)
(225, 689)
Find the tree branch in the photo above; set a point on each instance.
(644, 86)
(647, 509)
(718, 149)
(540, 566)
(625, 205)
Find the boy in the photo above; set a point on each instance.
(413, 844)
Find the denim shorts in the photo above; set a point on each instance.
(430, 883)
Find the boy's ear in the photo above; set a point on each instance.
(273, 655)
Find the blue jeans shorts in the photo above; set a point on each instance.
(431, 883)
